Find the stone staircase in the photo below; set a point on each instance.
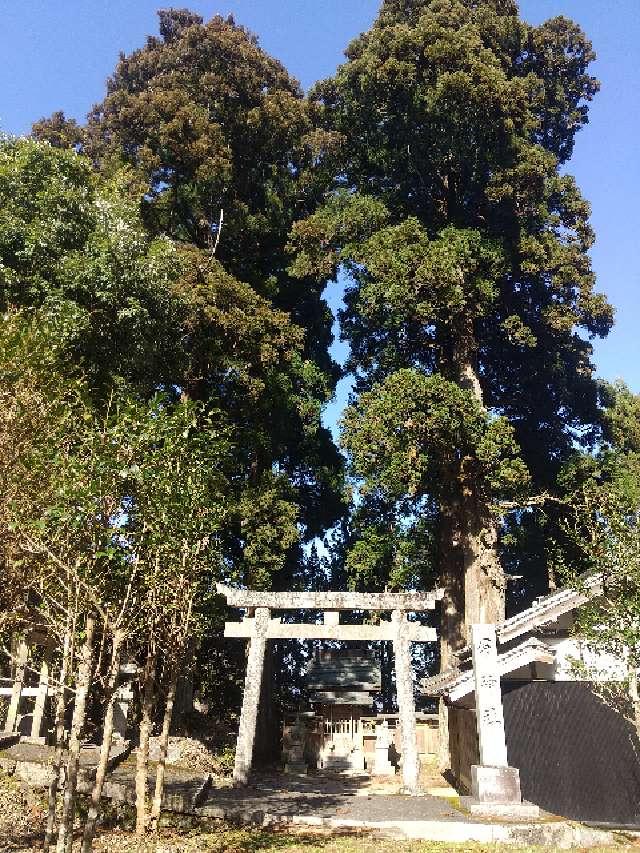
(339, 762)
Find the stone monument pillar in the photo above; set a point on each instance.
(495, 787)
(123, 700)
(295, 763)
(382, 766)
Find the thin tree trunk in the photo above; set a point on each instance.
(156, 806)
(65, 830)
(105, 747)
(142, 756)
(59, 740)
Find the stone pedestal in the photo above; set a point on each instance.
(495, 784)
(495, 792)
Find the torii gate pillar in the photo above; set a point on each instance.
(251, 700)
(406, 703)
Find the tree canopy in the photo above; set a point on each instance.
(470, 295)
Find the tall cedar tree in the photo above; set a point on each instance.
(471, 297)
(222, 143)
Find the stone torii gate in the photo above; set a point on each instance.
(258, 627)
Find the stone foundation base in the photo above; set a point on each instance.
(507, 811)
(495, 785)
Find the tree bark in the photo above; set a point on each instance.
(451, 559)
(484, 581)
(156, 806)
(142, 756)
(105, 747)
(59, 740)
(471, 573)
(634, 694)
(83, 683)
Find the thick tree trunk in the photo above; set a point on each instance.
(451, 558)
(471, 573)
(59, 741)
(634, 693)
(156, 806)
(83, 683)
(105, 747)
(484, 592)
(142, 756)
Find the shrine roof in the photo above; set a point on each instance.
(549, 608)
(341, 674)
(456, 683)
(543, 611)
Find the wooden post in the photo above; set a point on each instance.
(21, 665)
(41, 698)
(406, 704)
(251, 698)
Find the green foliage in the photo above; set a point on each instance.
(603, 496)
(470, 285)
(39, 408)
(77, 249)
(58, 131)
(153, 313)
(605, 528)
(409, 428)
(46, 213)
(210, 121)
(229, 155)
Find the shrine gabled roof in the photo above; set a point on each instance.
(456, 683)
(346, 670)
(543, 611)
(344, 676)
(549, 608)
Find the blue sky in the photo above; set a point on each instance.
(56, 54)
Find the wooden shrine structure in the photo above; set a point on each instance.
(258, 626)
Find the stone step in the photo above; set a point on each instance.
(342, 764)
(337, 762)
